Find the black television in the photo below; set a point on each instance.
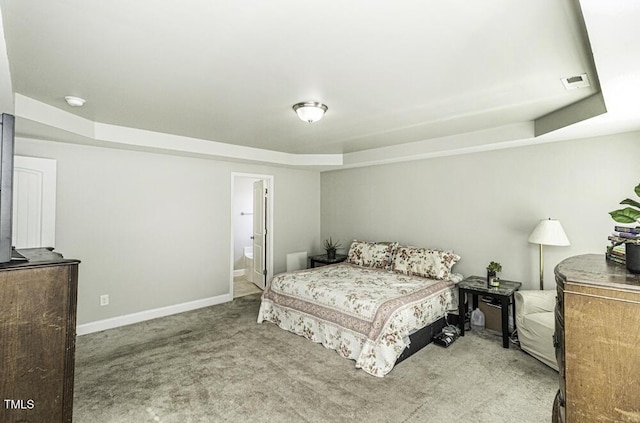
(7, 125)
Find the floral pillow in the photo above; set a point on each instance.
(372, 254)
(432, 264)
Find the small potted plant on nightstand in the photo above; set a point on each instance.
(331, 248)
(632, 245)
(492, 271)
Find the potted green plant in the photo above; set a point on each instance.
(331, 248)
(628, 215)
(492, 271)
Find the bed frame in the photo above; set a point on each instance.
(424, 336)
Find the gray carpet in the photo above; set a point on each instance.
(217, 365)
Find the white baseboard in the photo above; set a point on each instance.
(238, 272)
(141, 316)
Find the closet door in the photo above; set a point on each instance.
(34, 202)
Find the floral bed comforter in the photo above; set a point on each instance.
(365, 314)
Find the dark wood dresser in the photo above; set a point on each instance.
(37, 337)
(597, 341)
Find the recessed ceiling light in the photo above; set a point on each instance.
(75, 101)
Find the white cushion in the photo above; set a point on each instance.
(529, 301)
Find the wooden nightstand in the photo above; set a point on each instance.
(323, 259)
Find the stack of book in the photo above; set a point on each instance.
(616, 252)
(620, 236)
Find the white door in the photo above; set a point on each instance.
(34, 202)
(259, 234)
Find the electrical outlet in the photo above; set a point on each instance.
(104, 300)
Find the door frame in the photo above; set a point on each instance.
(269, 179)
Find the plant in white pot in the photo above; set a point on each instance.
(630, 214)
(492, 274)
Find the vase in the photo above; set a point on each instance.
(331, 254)
(632, 257)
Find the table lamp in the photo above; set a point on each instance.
(548, 232)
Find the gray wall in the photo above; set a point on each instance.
(154, 230)
(485, 205)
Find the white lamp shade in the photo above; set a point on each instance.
(310, 111)
(549, 232)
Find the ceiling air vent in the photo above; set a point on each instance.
(573, 82)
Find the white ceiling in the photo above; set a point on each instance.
(415, 76)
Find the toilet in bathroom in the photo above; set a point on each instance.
(248, 263)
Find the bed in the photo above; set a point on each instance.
(378, 307)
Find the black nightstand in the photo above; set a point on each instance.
(477, 285)
(323, 259)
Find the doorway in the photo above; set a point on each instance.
(251, 234)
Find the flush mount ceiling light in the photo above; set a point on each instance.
(310, 111)
(74, 101)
